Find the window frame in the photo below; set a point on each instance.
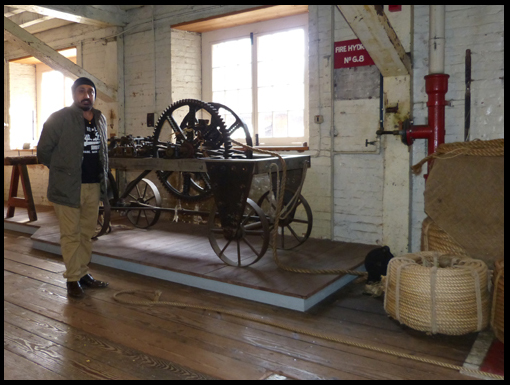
(258, 30)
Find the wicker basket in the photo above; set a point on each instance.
(498, 302)
(438, 293)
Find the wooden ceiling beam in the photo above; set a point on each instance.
(39, 49)
(374, 30)
(234, 19)
(84, 14)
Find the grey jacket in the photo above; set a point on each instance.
(60, 148)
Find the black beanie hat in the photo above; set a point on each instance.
(81, 81)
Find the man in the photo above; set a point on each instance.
(73, 146)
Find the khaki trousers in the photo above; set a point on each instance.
(77, 227)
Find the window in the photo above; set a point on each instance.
(36, 91)
(260, 71)
(54, 93)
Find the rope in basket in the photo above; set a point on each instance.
(477, 147)
(438, 293)
(498, 301)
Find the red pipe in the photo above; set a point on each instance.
(436, 87)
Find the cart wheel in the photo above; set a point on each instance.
(188, 186)
(294, 228)
(145, 193)
(247, 244)
(103, 220)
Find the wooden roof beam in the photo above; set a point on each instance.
(49, 56)
(379, 38)
(100, 16)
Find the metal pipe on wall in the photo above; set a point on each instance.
(436, 39)
(467, 99)
(436, 87)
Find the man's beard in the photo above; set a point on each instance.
(85, 107)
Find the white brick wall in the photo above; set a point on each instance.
(178, 76)
(358, 178)
(139, 82)
(178, 73)
(358, 198)
(186, 65)
(317, 189)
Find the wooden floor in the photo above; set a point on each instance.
(48, 336)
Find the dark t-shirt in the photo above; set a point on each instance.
(91, 166)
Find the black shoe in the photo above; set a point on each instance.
(88, 281)
(75, 290)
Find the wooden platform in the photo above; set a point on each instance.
(181, 253)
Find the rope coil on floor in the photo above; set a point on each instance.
(438, 293)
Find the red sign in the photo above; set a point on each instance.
(351, 53)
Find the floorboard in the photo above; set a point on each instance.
(48, 336)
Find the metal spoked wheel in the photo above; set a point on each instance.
(200, 133)
(242, 246)
(188, 186)
(144, 194)
(295, 226)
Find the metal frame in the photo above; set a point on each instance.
(230, 182)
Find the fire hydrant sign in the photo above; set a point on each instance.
(351, 53)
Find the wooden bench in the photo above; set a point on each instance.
(20, 171)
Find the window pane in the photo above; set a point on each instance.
(296, 124)
(281, 84)
(231, 99)
(52, 93)
(266, 74)
(68, 92)
(219, 97)
(266, 99)
(280, 125)
(218, 78)
(232, 78)
(266, 125)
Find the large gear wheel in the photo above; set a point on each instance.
(200, 133)
(235, 122)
